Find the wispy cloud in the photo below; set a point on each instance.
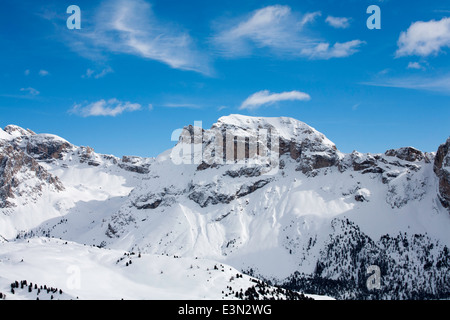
(111, 107)
(88, 74)
(264, 97)
(182, 105)
(97, 74)
(441, 11)
(338, 22)
(440, 84)
(43, 73)
(424, 38)
(130, 27)
(27, 72)
(280, 30)
(415, 65)
(220, 108)
(338, 50)
(309, 17)
(267, 27)
(31, 91)
(384, 71)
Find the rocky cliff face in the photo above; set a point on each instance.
(20, 173)
(442, 170)
(260, 141)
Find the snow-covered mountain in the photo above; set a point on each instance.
(271, 197)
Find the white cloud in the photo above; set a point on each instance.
(424, 38)
(280, 30)
(264, 97)
(91, 73)
(415, 65)
(103, 73)
(111, 107)
(384, 71)
(309, 17)
(220, 108)
(130, 27)
(88, 74)
(356, 106)
(27, 72)
(43, 73)
(267, 27)
(182, 105)
(30, 90)
(440, 84)
(338, 50)
(338, 22)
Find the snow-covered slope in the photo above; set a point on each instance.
(272, 197)
(73, 271)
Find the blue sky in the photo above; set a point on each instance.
(137, 70)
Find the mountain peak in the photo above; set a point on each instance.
(244, 121)
(16, 131)
(287, 128)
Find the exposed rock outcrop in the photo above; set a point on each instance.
(33, 177)
(406, 153)
(442, 169)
